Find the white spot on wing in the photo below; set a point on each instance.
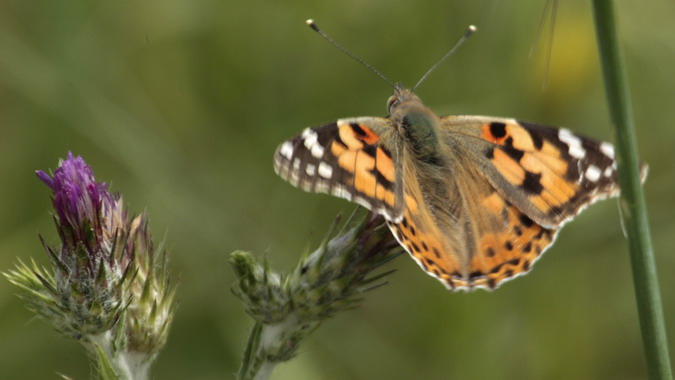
(342, 192)
(309, 138)
(286, 150)
(321, 186)
(395, 219)
(325, 170)
(317, 150)
(278, 167)
(306, 132)
(363, 202)
(387, 215)
(282, 170)
(294, 178)
(310, 169)
(574, 143)
(306, 184)
(607, 149)
(593, 173)
(608, 171)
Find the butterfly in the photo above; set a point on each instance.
(475, 200)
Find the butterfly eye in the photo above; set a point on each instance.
(392, 102)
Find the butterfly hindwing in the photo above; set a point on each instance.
(476, 238)
(502, 242)
(510, 250)
(419, 232)
(347, 159)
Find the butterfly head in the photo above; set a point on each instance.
(415, 123)
(400, 99)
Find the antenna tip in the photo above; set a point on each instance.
(472, 28)
(311, 24)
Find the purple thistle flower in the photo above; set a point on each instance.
(95, 257)
(108, 286)
(80, 203)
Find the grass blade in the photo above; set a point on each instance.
(632, 202)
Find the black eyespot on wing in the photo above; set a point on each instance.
(526, 221)
(532, 183)
(358, 130)
(382, 180)
(498, 129)
(370, 150)
(514, 153)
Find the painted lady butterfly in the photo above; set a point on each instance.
(475, 200)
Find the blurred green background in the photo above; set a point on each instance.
(180, 105)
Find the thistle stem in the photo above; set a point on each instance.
(250, 363)
(125, 365)
(269, 345)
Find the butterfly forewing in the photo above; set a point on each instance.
(549, 174)
(348, 159)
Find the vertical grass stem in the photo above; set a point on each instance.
(632, 201)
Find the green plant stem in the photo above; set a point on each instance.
(120, 365)
(250, 363)
(269, 345)
(632, 202)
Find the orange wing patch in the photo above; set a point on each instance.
(499, 133)
(346, 159)
(535, 165)
(384, 165)
(355, 135)
(370, 166)
(508, 167)
(422, 243)
(505, 254)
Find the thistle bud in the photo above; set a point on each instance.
(287, 308)
(108, 286)
(86, 292)
(149, 315)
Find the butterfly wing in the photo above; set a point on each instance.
(462, 231)
(549, 174)
(505, 242)
(351, 158)
(508, 187)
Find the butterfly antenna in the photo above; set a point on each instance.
(314, 27)
(467, 34)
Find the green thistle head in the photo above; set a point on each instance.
(106, 285)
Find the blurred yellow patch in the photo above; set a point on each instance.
(573, 58)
